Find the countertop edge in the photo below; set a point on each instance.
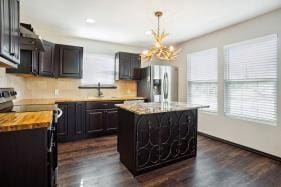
(158, 112)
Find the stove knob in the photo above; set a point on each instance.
(6, 94)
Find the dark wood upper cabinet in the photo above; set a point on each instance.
(15, 31)
(9, 31)
(127, 65)
(29, 63)
(46, 60)
(124, 65)
(135, 66)
(69, 61)
(56, 61)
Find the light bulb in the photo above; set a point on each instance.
(145, 52)
(148, 32)
(171, 48)
(157, 45)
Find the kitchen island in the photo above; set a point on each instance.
(153, 135)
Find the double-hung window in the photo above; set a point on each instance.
(251, 80)
(202, 78)
(98, 68)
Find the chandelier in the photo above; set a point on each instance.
(159, 50)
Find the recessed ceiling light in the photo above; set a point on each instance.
(148, 32)
(90, 20)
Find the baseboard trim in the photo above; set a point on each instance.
(273, 157)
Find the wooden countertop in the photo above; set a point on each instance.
(25, 120)
(61, 100)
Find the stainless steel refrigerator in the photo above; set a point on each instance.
(159, 83)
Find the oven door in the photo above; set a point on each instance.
(53, 149)
(52, 156)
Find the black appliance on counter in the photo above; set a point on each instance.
(23, 146)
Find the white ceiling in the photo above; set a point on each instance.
(126, 21)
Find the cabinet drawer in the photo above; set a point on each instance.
(101, 105)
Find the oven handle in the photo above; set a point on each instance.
(57, 114)
(50, 148)
(60, 112)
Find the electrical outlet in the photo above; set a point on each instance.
(57, 92)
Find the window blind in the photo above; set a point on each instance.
(251, 79)
(202, 78)
(98, 68)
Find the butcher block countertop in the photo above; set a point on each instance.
(61, 100)
(25, 120)
(159, 107)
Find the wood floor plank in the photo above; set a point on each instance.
(95, 162)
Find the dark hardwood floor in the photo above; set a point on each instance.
(95, 162)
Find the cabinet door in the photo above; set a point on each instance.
(62, 128)
(70, 61)
(15, 33)
(35, 61)
(94, 121)
(111, 118)
(46, 60)
(25, 67)
(135, 65)
(5, 29)
(124, 66)
(79, 119)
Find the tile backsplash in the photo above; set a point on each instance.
(41, 87)
(8, 80)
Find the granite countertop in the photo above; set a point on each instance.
(51, 101)
(25, 120)
(150, 108)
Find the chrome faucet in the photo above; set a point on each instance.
(100, 94)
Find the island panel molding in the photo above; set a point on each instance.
(150, 141)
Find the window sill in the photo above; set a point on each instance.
(208, 112)
(260, 122)
(95, 86)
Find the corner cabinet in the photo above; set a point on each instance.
(69, 61)
(9, 31)
(127, 66)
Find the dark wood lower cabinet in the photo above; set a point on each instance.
(63, 129)
(111, 120)
(94, 121)
(79, 126)
(26, 159)
(87, 119)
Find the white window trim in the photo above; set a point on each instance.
(277, 80)
(104, 85)
(217, 81)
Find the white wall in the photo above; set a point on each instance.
(90, 46)
(258, 136)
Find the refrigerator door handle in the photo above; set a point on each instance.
(165, 86)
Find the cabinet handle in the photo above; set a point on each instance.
(12, 54)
